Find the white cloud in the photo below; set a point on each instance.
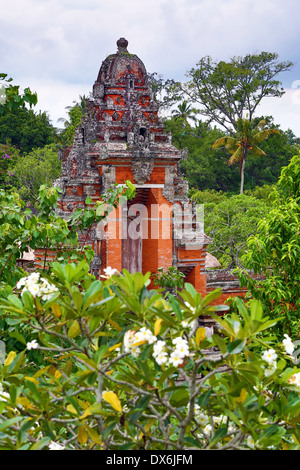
(57, 46)
(285, 110)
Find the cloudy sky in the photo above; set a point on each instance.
(56, 47)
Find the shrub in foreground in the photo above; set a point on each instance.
(121, 366)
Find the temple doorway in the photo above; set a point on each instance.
(132, 243)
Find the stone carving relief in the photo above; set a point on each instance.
(108, 176)
(168, 190)
(142, 169)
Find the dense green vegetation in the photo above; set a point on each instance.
(110, 363)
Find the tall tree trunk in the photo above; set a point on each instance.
(243, 171)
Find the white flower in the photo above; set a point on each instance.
(158, 347)
(34, 276)
(21, 282)
(269, 356)
(295, 380)
(144, 334)
(33, 289)
(55, 446)
(135, 351)
(218, 419)
(208, 429)
(108, 272)
(288, 344)
(37, 286)
(179, 341)
(184, 323)
(181, 346)
(202, 418)
(132, 340)
(32, 344)
(161, 358)
(3, 395)
(270, 369)
(250, 442)
(182, 351)
(176, 359)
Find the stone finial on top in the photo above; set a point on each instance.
(122, 44)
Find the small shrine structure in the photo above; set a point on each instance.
(121, 137)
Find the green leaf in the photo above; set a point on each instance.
(180, 398)
(27, 300)
(175, 306)
(17, 335)
(91, 293)
(237, 346)
(10, 422)
(88, 200)
(211, 297)
(100, 210)
(220, 434)
(203, 399)
(15, 301)
(220, 343)
(140, 407)
(41, 443)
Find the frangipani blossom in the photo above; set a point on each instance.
(269, 356)
(176, 359)
(133, 339)
(109, 272)
(37, 286)
(55, 446)
(288, 344)
(32, 344)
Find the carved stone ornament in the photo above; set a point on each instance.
(142, 170)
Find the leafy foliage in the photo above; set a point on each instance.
(39, 167)
(101, 384)
(230, 221)
(227, 91)
(21, 229)
(26, 129)
(11, 98)
(75, 115)
(274, 251)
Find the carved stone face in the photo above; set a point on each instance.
(142, 170)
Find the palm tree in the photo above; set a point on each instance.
(185, 112)
(246, 140)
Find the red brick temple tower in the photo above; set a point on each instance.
(122, 138)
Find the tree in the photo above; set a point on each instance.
(38, 167)
(75, 113)
(246, 140)
(279, 151)
(205, 168)
(8, 157)
(26, 129)
(275, 250)
(11, 98)
(184, 112)
(230, 221)
(227, 91)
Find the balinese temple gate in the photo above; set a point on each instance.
(122, 138)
